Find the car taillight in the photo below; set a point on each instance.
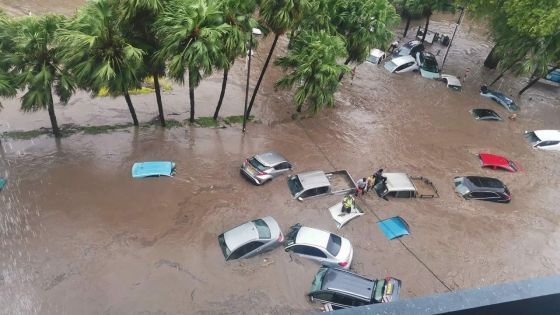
(343, 264)
(280, 238)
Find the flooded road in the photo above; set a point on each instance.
(79, 235)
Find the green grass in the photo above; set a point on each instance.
(205, 122)
(148, 88)
(95, 130)
(25, 135)
(230, 120)
(172, 123)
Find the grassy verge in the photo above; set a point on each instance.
(147, 88)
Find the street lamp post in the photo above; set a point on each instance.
(247, 85)
(453, 36)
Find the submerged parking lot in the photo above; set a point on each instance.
(79, 235)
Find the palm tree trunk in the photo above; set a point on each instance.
(191, 98)
(426, 26)
(224, 84)
(502, 73)
(158, 99)
(534, 80)
(52, 116)
(408, 18)
(492, 60)
(130, 107)
(276, 36)
(346, 63)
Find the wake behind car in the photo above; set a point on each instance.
(409, 49)
(428, 65)
(263, 167)
(401, 64)
(544, 139)
(324, 247)
(344, 289)
(482, 188)
(251, 238)
(499, 98)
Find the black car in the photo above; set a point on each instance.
(485, 114)
(482, 188)
(410, 48)
(343, 289)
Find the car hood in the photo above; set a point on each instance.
(346, 251)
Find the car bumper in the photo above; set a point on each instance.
(251, 177)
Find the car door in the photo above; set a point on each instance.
(246, 251)
(479, 195)
(312, 253)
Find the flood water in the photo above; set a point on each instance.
(80, 236)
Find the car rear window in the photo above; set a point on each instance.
(262, 228)
(223, 246)
(532, 138)
(256, 164)
(295, 185)
(333, 246)
(461, 188)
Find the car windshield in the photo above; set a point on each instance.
(256, 164)
(262, 228)
(430, 65)
(295, 185)
(485, 113)
(318, 280)
(372, 59)
(391, 66)
(460, 188)
(333, 246)
(532, 138)
(223, 246)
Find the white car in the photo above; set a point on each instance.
(544, 139)
(326, 248)
(401, 64)
(452, 82)
(376, 56)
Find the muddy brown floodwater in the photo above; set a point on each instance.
(80, 236)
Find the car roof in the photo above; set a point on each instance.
(493, 160)
(341, 280)
(402, 60)
(270, 158)
(451, 79)
(399, 182)
(313, 179)
(311, 236)
(240, 235)
(376, 52)
(478, 183)
(548, 135)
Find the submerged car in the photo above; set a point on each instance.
(376, 56)
(482, 188)
(544, 139)
(428, 65)
(411, 48)
(343, 289)
(497, 161)
(452, 82)
(263, 167)
(251, 238)
(485, 114)
(401, 64)
(326, 248)
(499, 98)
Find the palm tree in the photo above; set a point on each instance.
(97, 53)
(313, 69)
(365, 25)
(138, 17)
(7, 82)
(238, 14)
(36, 66)
(278, 16)
(190, 31)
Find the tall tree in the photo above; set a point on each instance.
(312, 67)
(190, 32)
(36, 66)
(138, 17)
(365, 24)
(97, 53)
(278, 16)
(239, 15)
(7, 82)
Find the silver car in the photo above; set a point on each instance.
(251, 238)
(264, 167)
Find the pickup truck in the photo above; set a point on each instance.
(400, 185)
(318, 183)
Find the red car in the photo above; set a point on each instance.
(497, 161)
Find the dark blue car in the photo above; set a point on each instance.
(554, 76)
(500, 98)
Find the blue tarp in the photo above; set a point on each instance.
(3, 183)
(394, 227)
(153, 168)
